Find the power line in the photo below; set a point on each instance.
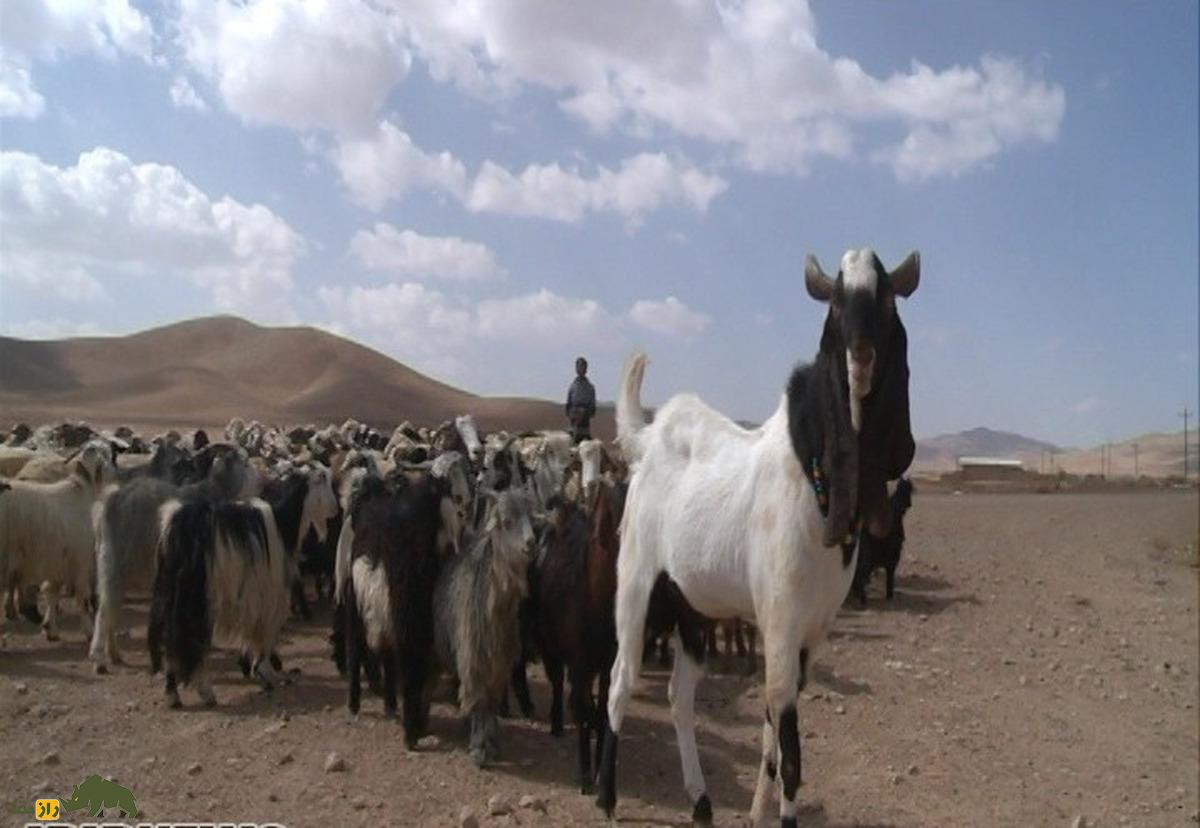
(1185, 414)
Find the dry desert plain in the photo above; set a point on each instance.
(1038, 664)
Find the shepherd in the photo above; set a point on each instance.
(581, 403)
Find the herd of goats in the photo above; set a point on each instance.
(446, 552)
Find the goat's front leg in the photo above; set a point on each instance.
(766, 776)
(685, 675)
(787, 665)
(50, 592)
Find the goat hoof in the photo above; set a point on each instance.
(100, 668)
(607, 803)
(556, 730)
(50, 634)
(702, 814)
(586, 787)
(478, 757)
(174, 703)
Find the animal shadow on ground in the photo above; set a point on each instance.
(840, 684)
(920, 594)
(648, 771)
(812, 815)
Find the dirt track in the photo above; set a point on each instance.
(1038, 662)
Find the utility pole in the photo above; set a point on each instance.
(1185, 413)
(1135, 461)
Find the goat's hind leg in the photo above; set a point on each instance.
(632, 603)
(685, 675)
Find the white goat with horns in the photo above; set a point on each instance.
(730, 522)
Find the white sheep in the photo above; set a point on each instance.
(46, 534)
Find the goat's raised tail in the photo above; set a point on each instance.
(630, 417)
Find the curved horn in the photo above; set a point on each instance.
(907, 275)
(820, 286)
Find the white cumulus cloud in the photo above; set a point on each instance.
(669, 316)
(49, 30)
(304, 64)
(387, 165)
(408, 253)
(184, 95)
(66, 228)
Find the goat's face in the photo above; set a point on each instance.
(862, 312)
(465, 425)
(320, 504)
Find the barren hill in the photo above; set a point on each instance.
(941, 453)
(203, 372)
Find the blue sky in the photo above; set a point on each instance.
(485, 189)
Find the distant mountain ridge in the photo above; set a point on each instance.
(203, 372)
(1153, 455)
(944, 450)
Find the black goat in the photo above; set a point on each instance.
(874, 553)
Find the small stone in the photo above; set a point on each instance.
(148, 762)
(358, 803)
(334, 763)
(328, 708)
(194, 768)
(1023, 680)
(897, 779)
(840, 710)
(533, 803)
(272, 797)
(923, 617)
(51, 758)
(1079, 822)
(39, 710)
(467, 818)
(428, 742)
(498, 805)
(913, 770)
(273, 728)
(286, 759)
(21, 687)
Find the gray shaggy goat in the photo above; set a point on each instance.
(475, 608)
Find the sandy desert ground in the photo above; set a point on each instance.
(1038, 663)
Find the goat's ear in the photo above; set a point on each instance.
(820, 286)
(907, 275)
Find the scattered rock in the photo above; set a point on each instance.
(272, 797)
(334, 763)
(194, 768)
(21, 687)
(840, 709)
(913, 770)
(358, 803)
(51, 758)
(498, 805)
(467, 818)
(286, 759)
(1023, 680)
(273, 728)
(897, 779)
(533, 803)
(1079, 822)
(148, 762)
(428, 742)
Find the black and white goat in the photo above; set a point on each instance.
(760, 524)
(883, 553)
(224, 570)
(475, 610)
(388, 598)
(46, 534)
(127, 530)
